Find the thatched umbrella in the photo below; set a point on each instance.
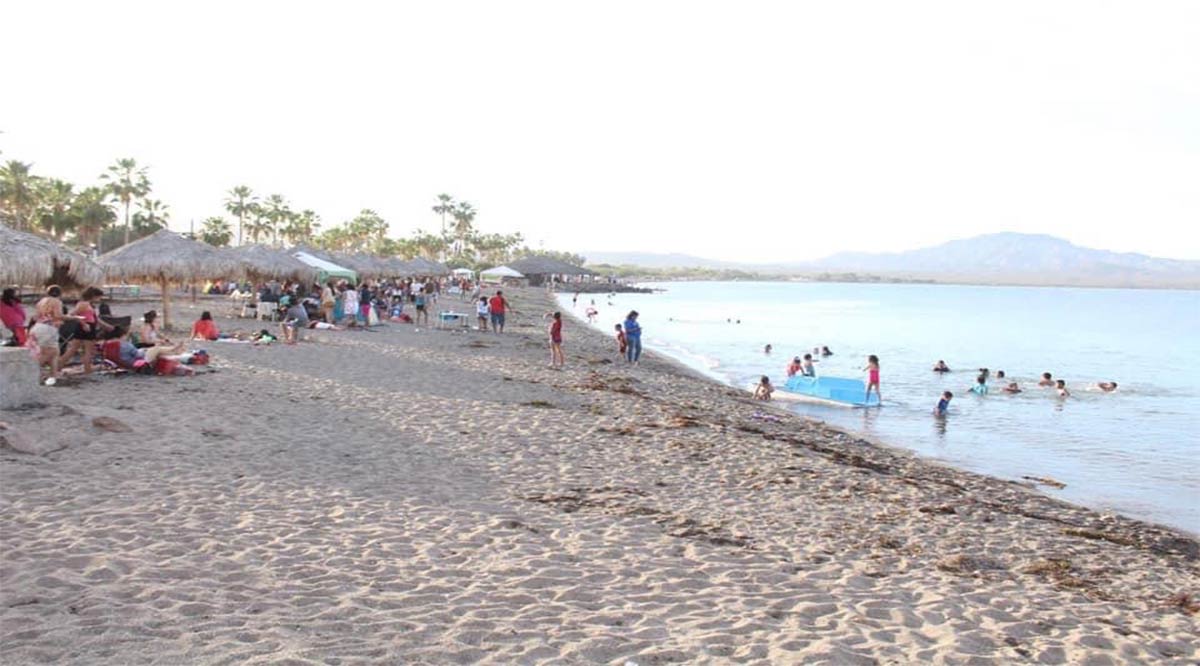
(424, 266)
(166, 257)
(257, 262)
(29, 259)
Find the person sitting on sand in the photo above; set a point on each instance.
(941, 366)
(1107, 387)
(1060, 387)
(205, 328)
(12, 315)
(943, 405)
(1047, 380)
(1012, 387)
(793, 367)
(763, 390)
(295, 320)
(980, 387)
(150, 335)
(807, 369)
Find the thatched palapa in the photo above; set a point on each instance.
(165, 258)
(258, 262)
(26, 259)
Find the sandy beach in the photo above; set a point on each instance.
(442, 497)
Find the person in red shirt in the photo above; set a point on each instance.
(496, 308)
(205, 328)
(557, 360)
(621, 342)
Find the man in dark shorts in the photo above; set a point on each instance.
(496, 308)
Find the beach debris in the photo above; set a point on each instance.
(17, 440)
(942, 509)
(109, 424)
(1045, 481)
(963, 563)
(1119, 539)
(889, 542)
(1053, 567)
(1185, 602)
(540, 404)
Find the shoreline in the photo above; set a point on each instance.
(441, 496)
(682, 368)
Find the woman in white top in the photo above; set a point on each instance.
(350, 305)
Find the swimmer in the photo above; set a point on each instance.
(767, 349)
(1012, 387)
(980, 387)
(1107, 387)
(764, 389)
(944, 404)
(986, 373)
(1047, 380)
(793, 367)
(941, 366)
(807, 369)
(825, 351)
(1060, 387)
(999, 374)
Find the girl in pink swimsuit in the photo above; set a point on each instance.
(873, 378)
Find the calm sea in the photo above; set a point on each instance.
(1135, 451)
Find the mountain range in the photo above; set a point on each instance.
(1000, 258)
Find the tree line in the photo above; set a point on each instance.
(119, 209)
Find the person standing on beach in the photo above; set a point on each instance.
(872, 369)
(622, 343)
(633, 338)
(497, 307)
(327, 302)
(557, 360)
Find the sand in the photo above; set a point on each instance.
(438, 497)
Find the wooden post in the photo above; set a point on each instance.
(166, 303)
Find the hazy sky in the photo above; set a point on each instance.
(738, 130)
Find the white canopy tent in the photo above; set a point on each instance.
(499, 273)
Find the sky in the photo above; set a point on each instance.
(744, 131)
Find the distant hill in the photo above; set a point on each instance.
(1001, 258)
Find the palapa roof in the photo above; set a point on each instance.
(165, 255)
(546, 266)
(260, 262)
(423, 266)
(32, 260)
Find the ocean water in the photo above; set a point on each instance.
(1135, 451)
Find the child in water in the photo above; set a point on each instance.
(944, 404)
(980, 387)
(1012, 387)
(872, 369)
(764, 389)
(1047, 380)
(1060, 387)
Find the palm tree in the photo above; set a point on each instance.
(152, 216)
(18, 194)
(464, 216)
(277, 212)
(258, 225)
(301, 227)
(54, 209)
(216, 232)
(445, 205)
(126, 181)
(93, 215)
(239, 203)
